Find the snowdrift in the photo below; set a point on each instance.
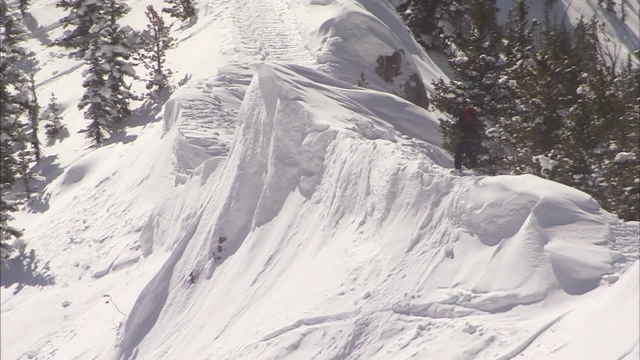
(325, 233)
(276, 211)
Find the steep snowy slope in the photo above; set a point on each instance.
(324, 234)
(270, 209)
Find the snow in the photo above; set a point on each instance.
(271, 209)
(546, 164)
(624, 156)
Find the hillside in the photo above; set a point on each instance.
(271, 209)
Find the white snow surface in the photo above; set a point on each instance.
(270, 209)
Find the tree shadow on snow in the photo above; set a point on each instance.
(25, 270)
(39, 32)
(150, 110)
(119, 137)
(63, 133)
(47, 170)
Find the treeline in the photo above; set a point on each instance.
(110, 54)
(556, 102)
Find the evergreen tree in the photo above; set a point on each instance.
(118, 48)
(12, 81)
(545, 95)
(619, 180)
(180, 9)
(33, 109)
(96, 98)
(519, 53)
(8, 233)
(362, 81)
(427, 18)
(81, 17)
(51, 115)
(156, 40)
(588, 114)
(23, 5)
(552, 96)
(615, 109)
(107, 94)
(477, 63)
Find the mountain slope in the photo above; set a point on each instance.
(270, 209)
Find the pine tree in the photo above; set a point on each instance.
(33, 109)
(96, 99)
(555, 96)
(477, 64)
(545, 94)
(427, 19)
(156, 40)
(108, 58)
(8, 233)
(619, 182)
(362, 81)
(118, 48)
(587, 114)
(51, 115)
(180, 9)
(81, 17)
(12, 81)
(519, 57)
(628, 207)
(23, 5)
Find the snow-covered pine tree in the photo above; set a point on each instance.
(96, 98)
(23, 5)
(427, 18)
(545, 95)
(108, 57)
(12, 80)
(519, 53)
(156, 41)
(8, 233)
(587, 114)
(53, 121)
(29, 148)
(362, 81)
(81, 16)
(33, 109)
(620, 186)
(477, 63)
(180, 9)
(118, 50)
(602, 139)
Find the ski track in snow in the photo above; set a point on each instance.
(269, 33)
(264, 31)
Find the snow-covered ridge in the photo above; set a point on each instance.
(304, 190)
(273, 210)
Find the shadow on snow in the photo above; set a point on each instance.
(25, 270)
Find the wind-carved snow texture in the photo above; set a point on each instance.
(205, 114)
(300, 190)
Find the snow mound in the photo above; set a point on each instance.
(538, 234)
(317, 178)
